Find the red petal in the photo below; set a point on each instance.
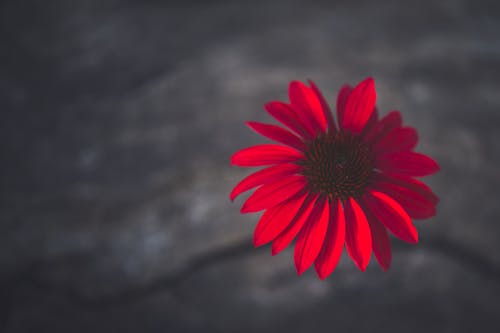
(308, 105)
(311, 237)
(276, 219)
(286, 237)
(329, 256)
(372, 122)
(358, 237)
(271, 194)
(325, 107)
(417, 200)
(344, 93)
(381, 245)
(406, 163)
(284, 114)
(266, 175)
(380, 239)
(278, 134)
(399, 139)
(392, 215)
(411, 184)
(359, 106)
(390, 121)
(265, 155)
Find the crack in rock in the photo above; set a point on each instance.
(449, 249)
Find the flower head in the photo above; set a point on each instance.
(327, 185)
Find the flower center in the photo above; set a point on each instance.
(339, 165)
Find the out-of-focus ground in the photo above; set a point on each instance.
(118, 119)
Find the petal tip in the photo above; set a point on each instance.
(322, 275)
(369, 81)
(235, 158)
(233, 195)
(244, 209)
(311, 82)
(300, 269)
(295, 84)
(413, 236)
(268, 105)
(257, 243)
(361, 263)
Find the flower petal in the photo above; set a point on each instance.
(325, 107)
(399, 139)
(411, 184)
(415, 197)
(359, 106)
(390, 121)
(381, 244)
(311, 237)
(331, 251)
(263, 176)
(358, 237)
(406, 163)
(286, 237)
(392, 215)
(344, 93)
(265, 155)
(276, 219)
(380, 239)
(308, 106)
(278, 134)
(372, 122)
(271, 194)
(286, 115)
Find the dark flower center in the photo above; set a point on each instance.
(339, 165)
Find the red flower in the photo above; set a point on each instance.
(328, 186)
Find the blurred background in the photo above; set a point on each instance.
(118, 119)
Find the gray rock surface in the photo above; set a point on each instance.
(118, 121)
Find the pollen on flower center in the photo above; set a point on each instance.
(339, 165)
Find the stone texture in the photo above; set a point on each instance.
(118, 120)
